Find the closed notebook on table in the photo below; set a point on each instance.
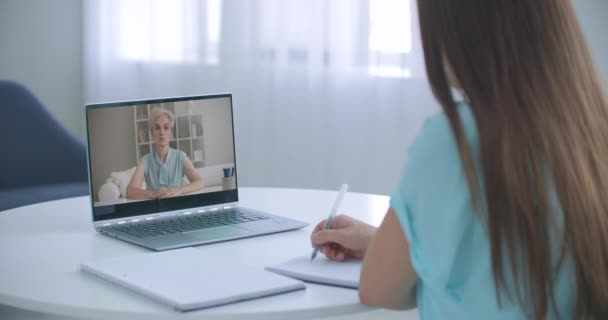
(188, 279)
(321, 270)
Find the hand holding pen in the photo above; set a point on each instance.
(332, 213)
(342, 238)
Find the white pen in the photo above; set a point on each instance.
(330, 218)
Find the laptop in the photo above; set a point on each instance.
(160, 146)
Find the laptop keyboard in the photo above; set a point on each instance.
(190, 223)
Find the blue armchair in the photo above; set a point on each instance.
(41, 159)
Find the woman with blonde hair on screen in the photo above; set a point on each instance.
(164, 168)
(501, 211)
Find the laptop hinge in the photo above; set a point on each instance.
(163, 215)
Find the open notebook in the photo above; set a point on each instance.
(189, 279)
(321, 270)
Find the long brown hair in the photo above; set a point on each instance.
(542, 120)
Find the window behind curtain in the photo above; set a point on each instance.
(372, 36)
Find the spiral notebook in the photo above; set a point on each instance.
(321, 270)
(188, 279)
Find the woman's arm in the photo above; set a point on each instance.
(133, 188)
(388, 279)
(196, 181)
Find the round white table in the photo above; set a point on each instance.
(42, 245)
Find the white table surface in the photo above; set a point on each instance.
(41, 246)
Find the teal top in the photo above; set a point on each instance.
(164, 175)
(449, 245)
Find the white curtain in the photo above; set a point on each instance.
(325, 91)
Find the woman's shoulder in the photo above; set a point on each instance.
(146, 157)
(437, 128)
(178, 155)
(433, 159)
(436, 136)
(146, 160)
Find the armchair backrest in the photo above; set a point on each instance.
(36, 149)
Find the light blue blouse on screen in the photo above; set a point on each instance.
(164, 175)
(449, 246)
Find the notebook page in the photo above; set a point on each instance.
(321, 270)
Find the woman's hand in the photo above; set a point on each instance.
(346, 238)
(168, 192)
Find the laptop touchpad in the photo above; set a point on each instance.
(216, 233)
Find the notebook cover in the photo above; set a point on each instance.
(189, 279)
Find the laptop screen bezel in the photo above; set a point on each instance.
(146, 207)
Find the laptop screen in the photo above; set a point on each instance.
(152, 156)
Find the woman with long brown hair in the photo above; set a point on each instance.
(500, 212)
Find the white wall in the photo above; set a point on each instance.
(593, 16)
(41, 47)
(112, 142)
(217, 131)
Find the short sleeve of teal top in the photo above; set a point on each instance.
(449, 247)
(169, 174)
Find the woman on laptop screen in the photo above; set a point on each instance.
(163, 168)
